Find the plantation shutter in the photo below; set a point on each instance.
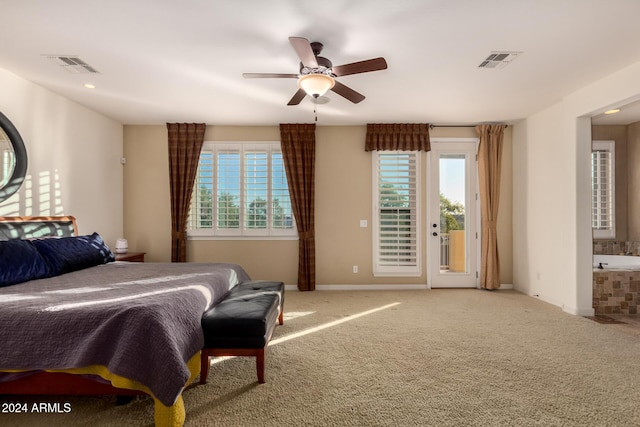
(397, 249)
(227, 209)
(241, 190)
(281, 210)
(201, 214)
(255, 189)
(602, 200)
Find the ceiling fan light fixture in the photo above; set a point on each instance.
(316, 84)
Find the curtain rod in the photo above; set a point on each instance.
(457, 126)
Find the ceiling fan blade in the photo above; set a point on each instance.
(347, 92)
(298, 97)
(304, 51)
(268, 75)
(360, 67)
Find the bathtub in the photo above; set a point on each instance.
(620, 262)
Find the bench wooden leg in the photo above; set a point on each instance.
(204, 366)
(258, 353)
(281, 316)
(260, 365)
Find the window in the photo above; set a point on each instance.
(241, 190)
(603, 189)
(396, 215)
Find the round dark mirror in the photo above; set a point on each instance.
(13, 159)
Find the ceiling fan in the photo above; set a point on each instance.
(317, 74)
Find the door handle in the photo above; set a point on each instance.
(435, 234)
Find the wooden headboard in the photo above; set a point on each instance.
(28, 227)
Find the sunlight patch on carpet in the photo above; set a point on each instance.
(330, 324)
(312, 330)
(294, 314)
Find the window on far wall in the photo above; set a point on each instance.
(603, 187)
(396, 213)
(241, 191)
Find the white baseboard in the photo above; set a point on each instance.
(579, 311)
(544, 298)
(364, 287)
(372, 287)
(585, 311)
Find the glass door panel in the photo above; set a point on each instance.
(452, 206)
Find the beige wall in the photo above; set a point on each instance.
(147, 208)
(74, 159)
(633, 135)
(619, 135)
(343, 198)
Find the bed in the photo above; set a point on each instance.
(100, 327)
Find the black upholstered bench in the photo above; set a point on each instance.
(242, 324)
(255, 287)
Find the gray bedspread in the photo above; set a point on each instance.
(140, 320)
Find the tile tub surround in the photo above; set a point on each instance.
(616, 291)
(613, 247)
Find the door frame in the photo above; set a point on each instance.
(474, 265)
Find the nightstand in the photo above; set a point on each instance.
(131, 257)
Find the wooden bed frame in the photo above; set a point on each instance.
(58, 383)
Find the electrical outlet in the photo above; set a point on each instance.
(355, 268)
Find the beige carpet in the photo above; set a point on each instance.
(438, 358)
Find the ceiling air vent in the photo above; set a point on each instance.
(73, 64)
(499, 59)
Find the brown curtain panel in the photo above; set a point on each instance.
(489, 165)
(397, 137)
(298, 142)
(185, 143)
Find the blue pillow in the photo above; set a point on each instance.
(67, 254)
(21, 262)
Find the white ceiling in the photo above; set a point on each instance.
(174, 61)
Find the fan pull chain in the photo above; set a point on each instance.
(315, 107)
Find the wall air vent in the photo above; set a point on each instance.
(499, 59)
(72, 64)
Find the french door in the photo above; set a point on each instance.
(452, 229)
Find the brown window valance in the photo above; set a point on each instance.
(397, 137)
